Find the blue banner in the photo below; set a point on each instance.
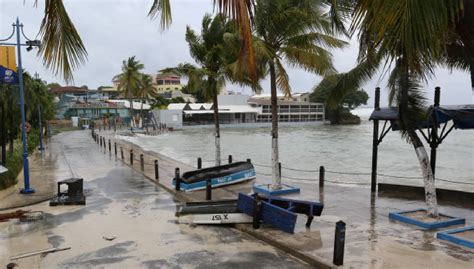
(8, 76)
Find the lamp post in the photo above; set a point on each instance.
(18, 29)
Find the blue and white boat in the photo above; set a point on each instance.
(218, 175)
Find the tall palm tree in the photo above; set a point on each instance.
(129, 81)
(211, 51)
(413, 37)
(146, 90)
(299, 32)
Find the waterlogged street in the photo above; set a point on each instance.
(127, 222)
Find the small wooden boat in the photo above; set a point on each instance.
(218, 175)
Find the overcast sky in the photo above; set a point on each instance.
(113, 30)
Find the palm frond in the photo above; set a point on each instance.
(415, 29)
(340, 84)
(282, 79)
(308, 40)
(241, 11)
(316, 60)
(62, 49)
(161, 8)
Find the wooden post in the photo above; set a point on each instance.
(230, 159)
(157, 175)
(339, 239)
(208, 190)
(279, 170)
(434, 132)
(321, 176)
(375, 143)
(115, 148)
(121, 152)
(142, 162)
(110, 146)
(177, 179)
(199, 163)
(131, 157)
(100, 138)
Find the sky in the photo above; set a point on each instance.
(113, 30)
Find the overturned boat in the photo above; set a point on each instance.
(211, 212)
(218, 175)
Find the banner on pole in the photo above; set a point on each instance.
(8, 71)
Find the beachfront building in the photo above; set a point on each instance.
(82, 102)
(293, 109)
(165, 82)
(240, 110)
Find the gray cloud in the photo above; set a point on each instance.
(113, 30)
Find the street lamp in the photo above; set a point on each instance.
(18, 29)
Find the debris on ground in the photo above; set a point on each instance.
(11, 265)
(109, 238)
(31, 216)
(12, 215)
(39, 252)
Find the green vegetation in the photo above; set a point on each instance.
(36, 96)
(145, 91)
(213, 52)
(409, 39)
(14, 159)
(130, 81)
(341, 113)
(300, 32)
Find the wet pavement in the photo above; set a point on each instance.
(121, 203)
(372, 240)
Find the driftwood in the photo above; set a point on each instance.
(12, 215)
(46, 251)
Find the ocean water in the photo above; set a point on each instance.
(345, 151)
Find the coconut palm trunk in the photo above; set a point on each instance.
(471, 68)
(216, 122)
(130, 108)
(410, 129)
(276, 182)
(141, 113)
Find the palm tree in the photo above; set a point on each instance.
(211, 51)
(413, 37)
(129, 81)
(146, 90)
(63, 51)
(300, 32)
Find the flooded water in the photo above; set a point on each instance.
(341, 149)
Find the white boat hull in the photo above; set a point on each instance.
(219, 218)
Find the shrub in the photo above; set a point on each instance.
(14, 162)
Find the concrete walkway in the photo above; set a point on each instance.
(121, 203)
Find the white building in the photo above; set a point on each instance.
(240, 110)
